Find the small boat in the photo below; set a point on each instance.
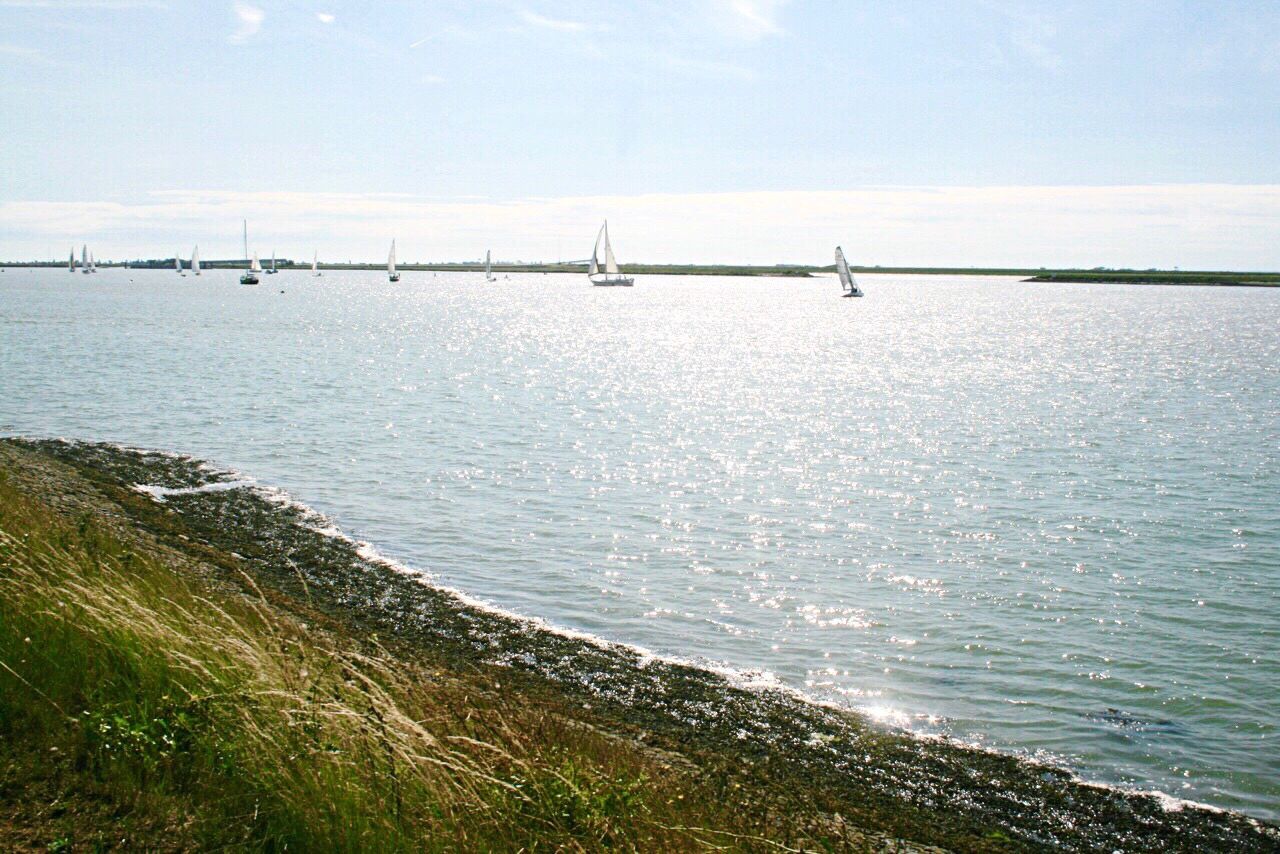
(84, 259)
(177, 265)
(271, 271)
(611, 275)
(93, 265)
(847, 282)
(488, 268)
(71, 265)
(250, 276)
(391, 264)
(315, 269)
(195, 260)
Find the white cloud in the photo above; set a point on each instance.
(564, 26)
(750, 19)
(1202, 226)
(325, 17)
(249, 20)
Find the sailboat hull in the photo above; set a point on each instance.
(248, 279)
(855, 294)
(394, 277)
(615, 282)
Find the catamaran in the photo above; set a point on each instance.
(272, 270)
(847, 282)
(315, 269)
(488, 268)
(177, 264)
(195, 260)
(611, 275)
(391, 264)
(250, 276)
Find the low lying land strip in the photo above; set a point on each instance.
(1096, 276)
(194, 668)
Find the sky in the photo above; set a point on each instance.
(1143, 133)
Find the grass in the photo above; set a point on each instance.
(167, 713)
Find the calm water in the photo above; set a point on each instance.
(971, 506)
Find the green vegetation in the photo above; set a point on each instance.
(145, 705)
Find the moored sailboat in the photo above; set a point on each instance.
(391, 264)
(607, 275)
(250, 276)
(847, 283)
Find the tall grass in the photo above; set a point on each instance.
(170, 694)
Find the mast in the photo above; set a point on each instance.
(246, 238)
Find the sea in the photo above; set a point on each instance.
(1039, 518)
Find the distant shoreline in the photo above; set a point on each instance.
(1220, 278)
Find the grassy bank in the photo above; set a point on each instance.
(211, 670)
(146, 703)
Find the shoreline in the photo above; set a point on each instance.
(930, 791)
(1217, 278)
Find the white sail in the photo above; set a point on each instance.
(847, 282)
(71, 265)
(177, 262)
(93, 267)
(195, 260)
(610, 263)
(254, 266)
(594, 267)
(488, 267)
(84, 255)
(391, 259)
(273, 260)
(314, 259)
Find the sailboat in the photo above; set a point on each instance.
(488, 268)
(250, 276)
(315, 269)
(84, 259)
(272, 271)
(391, 264)
(71, 265)
(610, 276)
(195, 260)
(847, 283)
(177, 264)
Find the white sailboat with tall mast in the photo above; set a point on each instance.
(847, 283)
(195, 260)
(71, 265)
(271, 271)
(84, 259)
(177, 264)
(250, 276)
(93, 265)
(391, 263)
(488, 268)
(608, 274)
(315, 266)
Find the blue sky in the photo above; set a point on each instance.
(143, 107)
